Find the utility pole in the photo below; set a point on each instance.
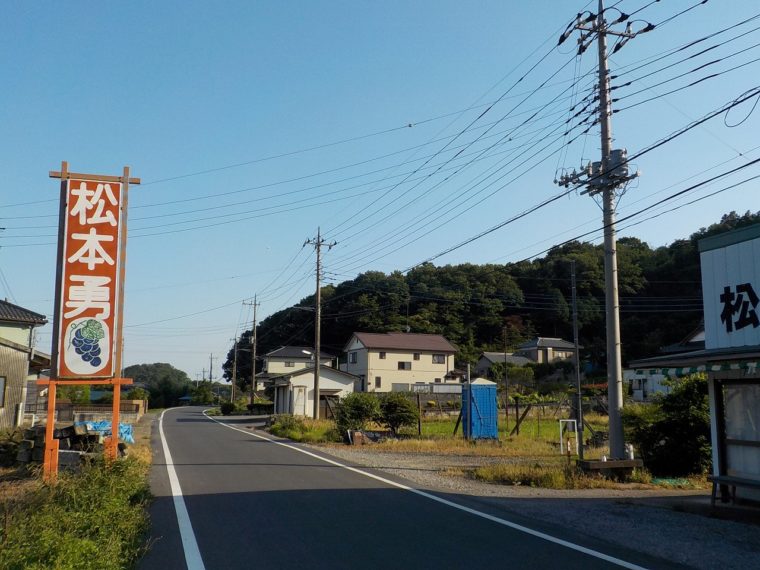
(506, 384)
(210, 366)
(203, 376)
(253, 350)
(318, 243)
(234, 369)
(579, 413)
(604, 177)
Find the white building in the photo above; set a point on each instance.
(294, 391)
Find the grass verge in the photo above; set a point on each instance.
(551, 476)
(95, 519)
(304, 429)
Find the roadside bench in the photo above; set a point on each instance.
(728, 481)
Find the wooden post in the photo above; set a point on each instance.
(517, 415)
(50, 465)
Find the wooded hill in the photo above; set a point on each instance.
(480, 307)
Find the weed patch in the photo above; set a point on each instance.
(95, 519)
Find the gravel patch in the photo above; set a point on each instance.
(676, 525)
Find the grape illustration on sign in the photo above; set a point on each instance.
(90, 276)
(87, 346)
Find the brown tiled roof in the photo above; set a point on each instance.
(15, 314)
(406, 341)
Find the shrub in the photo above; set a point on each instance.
(673, 435)
(92, 520)
(227, 408)
(396, 411)
(286, 425)
(355, 410)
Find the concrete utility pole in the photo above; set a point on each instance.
(579, 417)
(234, 369)
(318, 243)
(253, 352)
(604, 178)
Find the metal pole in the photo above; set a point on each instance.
(579, 417)
(614, 368)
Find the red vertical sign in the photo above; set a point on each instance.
(89, 280)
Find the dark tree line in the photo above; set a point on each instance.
(482, 307)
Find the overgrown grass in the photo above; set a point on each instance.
(305, 430)
(551, 475)
(95, 519)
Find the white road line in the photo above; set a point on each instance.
(189, 544)
(497, 520)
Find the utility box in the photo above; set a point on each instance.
(479, 411)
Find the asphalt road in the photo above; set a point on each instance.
(249, 502)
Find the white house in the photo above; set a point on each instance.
(294, 391)
(382, 360)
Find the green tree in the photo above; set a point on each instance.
(78, 394)
(397, 411)
(355, 410)
(137, 394)
(673, 435)
(164, 383)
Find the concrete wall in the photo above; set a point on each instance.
(18, 333)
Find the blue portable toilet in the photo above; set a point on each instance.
(479, 411)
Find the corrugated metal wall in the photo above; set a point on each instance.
(14, 365)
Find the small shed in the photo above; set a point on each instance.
(479, 411)
(294, 393)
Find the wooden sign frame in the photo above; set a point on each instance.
(50, 466)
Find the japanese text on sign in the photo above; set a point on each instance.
(89, 279)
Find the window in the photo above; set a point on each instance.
(437, 380)
(352, 358)
(382, 356)
(416, 355)
(2, 391)
(290, 364)
(439, 359)
(378, 381)
(404, 365)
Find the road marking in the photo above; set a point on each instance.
(189, 544)
(497, 520)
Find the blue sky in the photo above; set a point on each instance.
(197, 98)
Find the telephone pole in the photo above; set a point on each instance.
(234, 369)
(603, 178)
(318, 242)
(253, 350)
(579, 413)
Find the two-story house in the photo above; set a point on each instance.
(381, 360)
(18, 359)
(545, 349)
(291, 358)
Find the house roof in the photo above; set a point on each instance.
(511, 358)
(15, 314)
(698, 357)
(306, 371)
(405, 341)
(296, 352)
(547, 342)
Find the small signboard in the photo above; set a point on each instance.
(89, 280)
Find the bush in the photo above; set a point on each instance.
(227, 408)
(673, 435)
(396, 411)
(285, 425)
(93, 520)
(355, 410)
